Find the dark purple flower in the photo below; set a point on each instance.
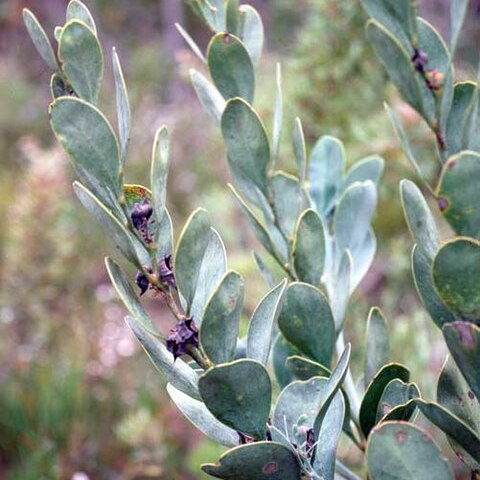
(185, 333)
(142, 282)
(140, 215)
(165, 269)
(419, 60)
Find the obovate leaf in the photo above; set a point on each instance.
(40, 39)
(458, 11)
(277, 117)
(128, 296)
(374, 392)
(402, 451)
(77, 10)
(124, 116)
(396, 393)
(82, 59)
(422, 275)
(239, 395)
(328, 438)
(247, 145)
(304, 368)
(88, 138)
(353, 216)
(200, 262)
(221, 317)
(456, 275)
(263, 322)
(128, 244)
(256, 461)
(398, 16)
(159, 171)
(290, 201)
(299, 149)
(377, 351)
(325, 173)
(452, 426)
(176, 372)
(419, 218)
(396, 60)
(458, 195)
(306, 321)
(282, 350)
(454, 394)
(368, 168)
(251, 32)
(200, 416)
(230, 67)
(209, 96)
(463, 341)
(309, 248)
(299, 399)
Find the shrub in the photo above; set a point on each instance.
(316, 225)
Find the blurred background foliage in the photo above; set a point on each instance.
(77, 399)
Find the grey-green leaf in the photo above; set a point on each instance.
(397, 16)
(209, 96)
(177, 372)
(251, 32)
(77, 10)
(458, 11)
(452, 426)
(256, 461)
(221, 317)
(159, 171)
(456, 276)
(231, 67)
(82, 59)
(368, 168)
(309, 248)
(200, 416)
(419, 218)
(402, 451)
(40, 39)
(325, 173)
(463, 341)
(307, 322)
(353, 215)
(191, 43)
(263, 322)
(277, 116)
(398, 64)
(128, 296)
(89, 140)
(377, 351)
(422, 276)
(373, 394)
(129, 246)
(454, 394)
(396, 393)
(289, 201)
(239, 395)
(199, 262)
(299, 149)
(247, 144)
(124, 116)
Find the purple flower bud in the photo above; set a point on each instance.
(165, 268)
(310, 439)
(185, 333)
(419, 60)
